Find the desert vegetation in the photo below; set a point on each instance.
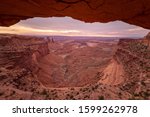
(39, 68)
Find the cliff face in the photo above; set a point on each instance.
(19, 56)
(130, 68)
(22, 52)
(32, 55)
(147, 39)
(131, 11)
(134, 56)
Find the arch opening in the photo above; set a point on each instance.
(67, 55)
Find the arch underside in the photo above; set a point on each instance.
(135, 12)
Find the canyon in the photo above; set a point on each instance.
(34, 67)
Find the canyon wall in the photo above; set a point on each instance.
(19, 56)
(134, 56)
(130, 68)
(23, 51)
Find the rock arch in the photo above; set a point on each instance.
(135, 12)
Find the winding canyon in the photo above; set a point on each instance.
(42, 68)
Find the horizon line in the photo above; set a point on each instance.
(72, 35)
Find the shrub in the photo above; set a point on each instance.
(101, 97)
(1, 93)
(143, 83)
(44, 92)
(86, 96)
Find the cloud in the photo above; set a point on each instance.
(71, 27)
(135, 29)
(17, 29)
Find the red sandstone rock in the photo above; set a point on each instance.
(73, 69)
(135, 12)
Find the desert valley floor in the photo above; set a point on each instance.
(48, 68)
(74, 63)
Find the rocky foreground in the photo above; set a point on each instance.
(37, 68)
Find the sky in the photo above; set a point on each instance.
(66, 26)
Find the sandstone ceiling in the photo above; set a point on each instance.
(135, 12)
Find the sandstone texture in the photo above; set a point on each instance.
(135, 12)
(39, 68)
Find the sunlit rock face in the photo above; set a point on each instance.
(148, 36)
(147, 39)
(135, 12)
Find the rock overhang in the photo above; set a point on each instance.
(135, 12)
